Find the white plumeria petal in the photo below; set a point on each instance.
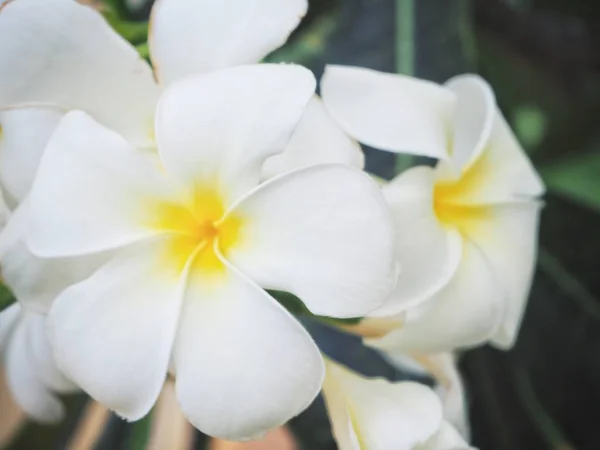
(466, 312)
(373, 413)
(220, 127)
(428, 254)
(244, 365)
(443, 367)
(388, 111)
(34, 281)
(106, 189)
(25, 381)
(447, 438)
(8, 319)
(474, 112)
(113, 333)
(322, 233)
(64, 53)
(318, 139)
(501, 173)
(508, 238)
(24, 133)
(192, 36)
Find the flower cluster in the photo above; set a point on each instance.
(152, 210)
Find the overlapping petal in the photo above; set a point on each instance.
(508, 238)
(106, 189)
(466, 312)
(323, 233)
(390, 112)
(34, 281)
(376, 414)
(244, 365)
(428, 254)
(317, 139)
(113, 332)
(24, 132)
(220, 127)
(64, 53)
(193, 36)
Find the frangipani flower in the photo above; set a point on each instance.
(466, 230)
(194, 235)
(31, 372)
(375, 414)
(60, 55)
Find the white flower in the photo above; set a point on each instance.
(375, 414)
(60, 55)
(31, 373)
(194, 236)
(466, 230)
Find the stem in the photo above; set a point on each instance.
(405, 37)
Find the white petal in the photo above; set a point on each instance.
(508, 238)
(106, 191)
(382, 415)
(427, 253)
(390, 112)
(65, 53)
(501, 173)
(243, 364)
(8, 319)
(322, 233)
(36, 282)
(221, 127)
(474, 113)
(466, 312)
(112, 333)
(24, 382)
(447, 438)
(318, 139)
(192, 36)
(42, 358)
(24, 133)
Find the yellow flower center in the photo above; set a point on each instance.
(200, 228)
(449, 199)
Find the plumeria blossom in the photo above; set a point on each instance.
(31, 373)
(375, 414)
(63, 55)
(194, 234)
(466, 229)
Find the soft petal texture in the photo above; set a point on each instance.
(447, 438)
(501, 173)
(24, 133)
(92, 68)
(443, 367)
(388, 111)
(375, 414)
(106, 189)
(27, 369)
(8, 319)
(474, 112)
(34, 281)
(221, 127)
(113, 333)
(508, 238)
(322, 233)
(427, 253)
(243, 364)
(318, 139)
(192, 36)
(466, 312)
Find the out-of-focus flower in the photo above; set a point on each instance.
(194, 235)
(375, 414)
(60, 55)
(31, 373)
(466, 230)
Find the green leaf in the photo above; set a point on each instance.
(6, 297)
(140, 433)
(530, 124)
(576, 177)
